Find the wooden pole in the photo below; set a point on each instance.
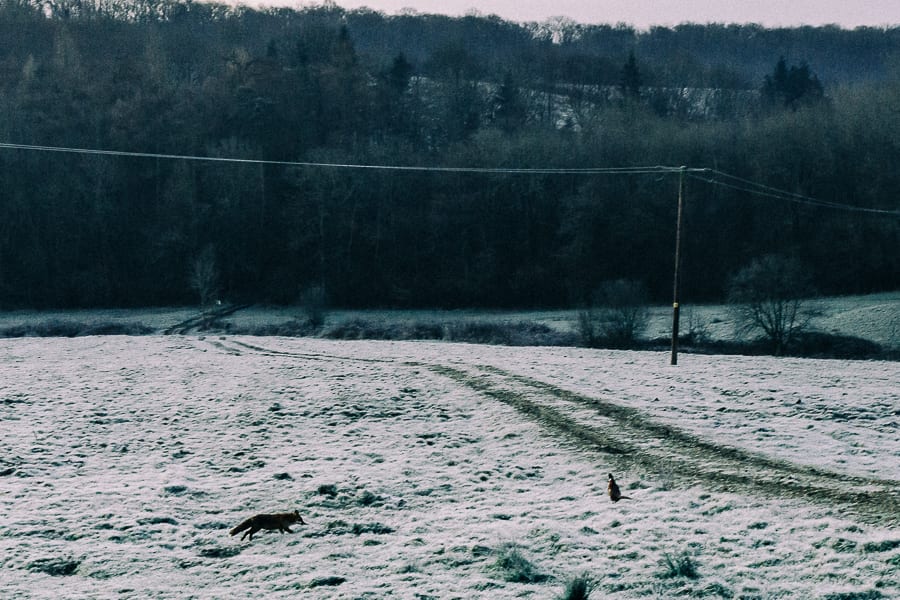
(675, 307)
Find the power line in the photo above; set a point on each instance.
(713, 176)
(751, 187)
(643, 170)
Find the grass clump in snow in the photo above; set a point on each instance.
(714, 589)
(842, 545)
(515, 568)
(220, 551)
(374, 528)
(327, 489)
(331, 580)
(54, 566)
(679, 566)
(367, 498)
(579, 588)
(882, 546)
(867, 595)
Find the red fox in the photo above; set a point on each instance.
(279, 521)
(614, 493)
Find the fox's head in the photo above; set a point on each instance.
(297, 517)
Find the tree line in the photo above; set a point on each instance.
(325, 85)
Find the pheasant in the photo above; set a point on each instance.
(615, 494)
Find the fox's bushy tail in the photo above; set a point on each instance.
(245, 525)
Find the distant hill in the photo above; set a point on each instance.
(237, 137)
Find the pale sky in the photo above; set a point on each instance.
(644, 13)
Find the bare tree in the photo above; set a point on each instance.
(617, 316)
(204, 276)
(313, 302)
(768, 297)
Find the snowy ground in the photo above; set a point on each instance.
(125, 460)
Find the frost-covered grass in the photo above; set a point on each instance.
(872, 318)
(441, 470)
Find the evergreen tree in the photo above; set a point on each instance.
(630, 81)
(399, 74)
(510, 110)
(791, 87)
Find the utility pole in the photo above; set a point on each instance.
(675, 307)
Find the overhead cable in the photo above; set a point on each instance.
(375, 167)
(711, 176)
(745, 185)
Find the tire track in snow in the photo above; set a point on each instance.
(632, 439)
(237, 347)
(637, 440)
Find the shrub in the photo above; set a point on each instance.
(423, 330)
(697, 331)
(809, 343)
(617, 316)
(588, 325)
(579, 588)
(116, 329)
(313, 303)
(203, 276)
(292, 328)
(55, 328)
(362, 329)
(63, 328)
(356, 329)
(474, 332)
(521, 333)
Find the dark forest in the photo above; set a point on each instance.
(812, 111)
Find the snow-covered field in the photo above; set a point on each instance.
(124, 462)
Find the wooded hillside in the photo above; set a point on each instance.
(812, 111)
